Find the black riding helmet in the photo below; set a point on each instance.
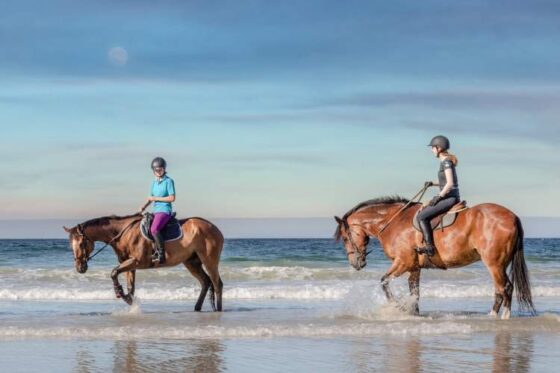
(440, 141)
(159, 162)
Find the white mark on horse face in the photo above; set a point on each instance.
(75, 245)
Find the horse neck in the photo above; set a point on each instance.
(106, 233)
(375, 218)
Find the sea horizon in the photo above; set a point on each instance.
(246, 228)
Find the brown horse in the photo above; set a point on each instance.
(201, 245)
(486, 232)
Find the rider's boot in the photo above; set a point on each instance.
(158, 243)
(430, 248)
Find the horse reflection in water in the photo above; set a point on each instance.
(198, 250)
(172, 356)
(486, 232)
(512, 352)
(503, 352)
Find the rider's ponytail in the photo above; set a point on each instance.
(451, 157)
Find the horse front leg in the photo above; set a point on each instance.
(130, 281)
(385, 281)
(126, 266)
(386, 289)
(397, 269)
(414, 287)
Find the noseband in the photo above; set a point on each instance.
(355, 249)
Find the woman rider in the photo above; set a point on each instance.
(448, 194)
(162, 195)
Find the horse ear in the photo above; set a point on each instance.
(68, 230)
(338, 220)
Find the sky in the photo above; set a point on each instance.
(275, 109)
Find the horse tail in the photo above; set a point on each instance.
(519, 273)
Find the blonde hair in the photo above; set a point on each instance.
(451, 157)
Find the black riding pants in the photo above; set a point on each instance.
(426, 215)
(444, 205)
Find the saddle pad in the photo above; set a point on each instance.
(171, 232)
(440, 222)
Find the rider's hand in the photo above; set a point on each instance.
(435, 200)
(428, 184)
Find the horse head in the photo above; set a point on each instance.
(81, 245)
(355, 242)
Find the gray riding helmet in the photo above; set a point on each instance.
(440, 141)
(159, 162)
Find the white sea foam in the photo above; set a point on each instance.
(212, 332)
(230, 273)
(301, 291)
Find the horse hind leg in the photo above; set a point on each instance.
(211, 265)
(507, 300)
(216, 291)
(194, 265)
(502, 294)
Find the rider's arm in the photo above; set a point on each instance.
(170, 198)
(448, 184)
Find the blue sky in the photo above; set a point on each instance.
(275, 109)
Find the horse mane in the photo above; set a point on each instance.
(385, 200)
(105, 220)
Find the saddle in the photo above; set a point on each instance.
(171, 232)
(443, 220)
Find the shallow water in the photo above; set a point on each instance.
(288, 305)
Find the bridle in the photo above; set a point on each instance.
(355, 249)
(81, 233)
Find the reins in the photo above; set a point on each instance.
(366, 253)
(420, 193)
(80, 231)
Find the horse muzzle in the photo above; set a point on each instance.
(358, 262)
(81, 267)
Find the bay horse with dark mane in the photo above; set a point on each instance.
(486, 232)
(201, 245)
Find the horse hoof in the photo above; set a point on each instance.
(128, 299)
(506, 314)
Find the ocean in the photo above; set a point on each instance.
(289, 305)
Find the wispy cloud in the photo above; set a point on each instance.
(487, 100)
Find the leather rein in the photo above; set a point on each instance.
(355, 248)
(119, 235)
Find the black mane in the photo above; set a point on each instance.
(386, 200)
(105, 220)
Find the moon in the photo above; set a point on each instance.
(118, 56)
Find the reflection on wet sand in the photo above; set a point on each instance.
(505, 351)
(512, 352)
(173, 356)
(395, 355)
(85, 362)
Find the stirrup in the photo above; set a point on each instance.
(158, 256)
